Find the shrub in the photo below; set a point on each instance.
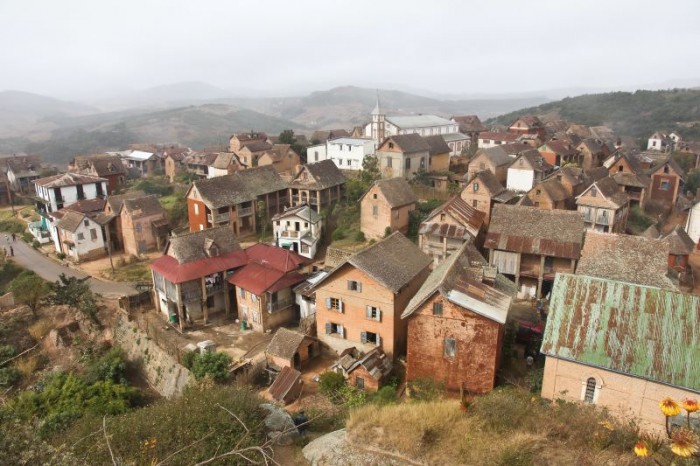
(29, 288)
(188, 358)
(352, 397)
(214, 365)
(338, 234)
(426, 389)
(61, 255)
(28, 364)
(39, 329)
(360, 237)
(110, 367)
(7, 351)
(330, 384)
(9, 376)
(36, 244)
(385, 395)
(387, 231)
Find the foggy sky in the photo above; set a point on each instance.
(82, 47)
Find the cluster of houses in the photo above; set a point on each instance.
(540, 211)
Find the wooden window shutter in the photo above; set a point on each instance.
(341, 331)
(359, 287)
(368, 312)
(342, 306)
(328, 303)
(349, 284)
(379, 340)
(363, 337)
(379, 315)
(329, 328)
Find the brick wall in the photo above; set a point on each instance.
(196, 218)
(478, 341)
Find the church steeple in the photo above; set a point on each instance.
(376, 110)
(378, 124)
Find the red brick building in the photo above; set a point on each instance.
(456, 324)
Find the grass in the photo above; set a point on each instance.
(508, 426)
(134, 272)
(638, 221)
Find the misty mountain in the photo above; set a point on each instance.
(166, 96)
(28, 105)
(636, 114)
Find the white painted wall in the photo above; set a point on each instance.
(214, 172)
(692, 226)
(348, 153)
(520, 179)
(316, 153)
(69, 194)
(288, 223)
(83, 239)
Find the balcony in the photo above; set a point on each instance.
(191, 296)
(281, 304)
(245, 211)
(214, 288)
(603, 220)
(219, 217)
(289, 234)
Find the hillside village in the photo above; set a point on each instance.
(411, 251)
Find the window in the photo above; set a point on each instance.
(315, 156)
(354, 286)
(241, 293)
(665, 185)
(443, 217)
(336, 329)
(93, 234)
(360, 383)
(620, 168)
(653, 143)
(196, 209)
(450, 350)
(665, 168)
(81, 236)
(340, 147)
(422, 162)
(349, 161)
(475, 203)
(482, 166)
(374, 196)
(475, 187)
(388, 162)
(370, 337)
(373, 313)
(594, 191)
(538, 191)
(391, 145)
(138, 228)
(396, 214)
(408, 164)
(334, 304)
(86, 222)
(589, 394)
(375, 210)
(437, 309)
(254, 297)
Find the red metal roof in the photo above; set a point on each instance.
(258, 278)
(277, 258)
(179, 273)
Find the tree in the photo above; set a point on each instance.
(214, 365)
(287, 137)
(29, 288)
(74, 292)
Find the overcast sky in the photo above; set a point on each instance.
(73, 47)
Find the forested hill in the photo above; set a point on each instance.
(636, 114)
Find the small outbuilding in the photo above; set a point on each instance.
(290, 349)
(287, 386)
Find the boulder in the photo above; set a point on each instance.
(279, 424)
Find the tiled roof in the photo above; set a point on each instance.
(396, 191)
(469, 123)
(559, 147)
(554, 189)
(610, 191)
(496, 155)
(115, 202)
(680, 244)
(259, 278)
(143, 207)
(70, 220)
(632, 179)
(325, 175)
(393, 262)
(458, 279)
(67, 179)
(534, 160)
(487, 179)
(241, 186)
(408, 143)
(302, 211)
(256, 146)
(275, 257)
(375, 362)
(631, 259)
(88, 205)
(642, 331)
(469, 220)
(285, 343)
(193, 246)
(531, 121)
(437, 145)
(107, 165)
(418, 121)
(557, 233)
(326, 134)
(223, 160)
(498, 136)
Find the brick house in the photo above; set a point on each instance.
(111, 221)
(604, 206)
(109, 167)
(264, 295)
(667, 177)
(471, 126)
(234, 200)
(403, 155)
(448, 227)
(144, 225)
(319, 185)
(604, 341)
(173, 164)
(438, 154)
(548, 195)
(532, 245)
(680, 248)
(456, 325)
(369, 371)
(558, 153)
(189, 280)
(495, 159)
(282, 157)
(488, 139)
(631, 177)
(290, 349)
(593, 153)
(250, 152)
(528, 124)
(483, 190)
(386, 206)
(199, 163)
(360, 301)
(237, 141)
(225, 163)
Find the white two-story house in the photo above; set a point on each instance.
(299, 229)
(56, 192)
(347, 153)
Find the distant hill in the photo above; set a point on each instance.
(347, 106)
(166, 96)
(636, 114)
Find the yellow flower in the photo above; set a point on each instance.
(669, 407)
(607, 425)
(690, 405)
(683, 443)
(641, 449)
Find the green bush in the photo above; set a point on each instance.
(157, 186)
(214, 365)
(10, 225)
(7, 351)
(426, 389)
(61, 255)
(188, 359)
(330, 384)
(385, 395)
(387, 231)
(360, 237)
(8, 376)
(338, 234)
(110, 367)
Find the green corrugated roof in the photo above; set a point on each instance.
(638, 330)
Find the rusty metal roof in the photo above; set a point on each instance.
(640, 331)
(284, 382)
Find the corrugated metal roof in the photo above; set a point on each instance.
(284, 382)
(418, 121)
(641, 331)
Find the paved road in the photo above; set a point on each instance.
(49, 270)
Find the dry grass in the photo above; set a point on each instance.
(39, 329)
(27, 365)
(506, 427)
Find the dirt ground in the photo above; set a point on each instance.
(101, 268)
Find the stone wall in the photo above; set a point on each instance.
(162, 371)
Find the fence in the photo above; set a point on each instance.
(140, 301)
